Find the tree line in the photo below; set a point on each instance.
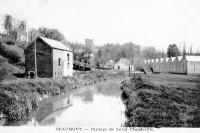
(101, 55)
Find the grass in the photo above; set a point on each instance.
(12, 52)
(20, 98)
(162, 100)
(7, 69)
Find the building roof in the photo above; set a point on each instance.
(111, 61)
(55, 44)
(167, 59)
(192, 58)
(161, 59)
(173, 58)
(180, 58)
(125, 61)
(157, 60)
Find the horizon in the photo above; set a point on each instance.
(156, 23)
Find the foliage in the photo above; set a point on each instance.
(32, 34)
(22, 26)
(152, 53)
(81, 53)
(172, 51)
(20, 98)
(162, 101)
(14, 27)
(52, 34)
(13, 53)
(8, 23)
(7, 69)
(128, 50)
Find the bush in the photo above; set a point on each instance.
(13, 53)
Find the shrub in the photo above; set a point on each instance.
(13, 53)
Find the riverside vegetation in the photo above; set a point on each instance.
(162, 100)
(20, 98)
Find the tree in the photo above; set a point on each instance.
(172, 51)
(52, 34)
(32, 34)
(22, 26)
(149, 53)
(184, 50)
(8, 24)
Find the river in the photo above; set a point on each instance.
(94, 106)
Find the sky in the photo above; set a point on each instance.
(155, 23)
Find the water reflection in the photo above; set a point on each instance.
(98, 105)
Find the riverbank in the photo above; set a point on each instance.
(162, 100)
(20, 98)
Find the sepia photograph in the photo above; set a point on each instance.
(99, 66)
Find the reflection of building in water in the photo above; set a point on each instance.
(47, 112)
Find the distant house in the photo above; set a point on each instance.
(123, 65)
(53, 59)
(110, 64)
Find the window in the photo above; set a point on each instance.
(68, 57)
(59, 61)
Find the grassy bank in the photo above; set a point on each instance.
(20, 98)
(163, 100)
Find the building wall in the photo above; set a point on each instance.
(44, 59)
(183, 67)
(177, 66)
(193, 67)
(66, 67)
(170, 66)
(121, 66)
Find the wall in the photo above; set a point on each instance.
(193, 67)
(64, 70)
(122, 66)
(44, 59)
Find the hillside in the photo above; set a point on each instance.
(11, 59)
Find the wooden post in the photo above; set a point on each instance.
(35, 59)
(132, 63)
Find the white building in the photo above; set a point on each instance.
(123, 65)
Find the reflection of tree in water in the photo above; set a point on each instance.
(99, 88)
(88, 96)
(109, 89)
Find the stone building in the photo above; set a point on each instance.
(53, 59)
